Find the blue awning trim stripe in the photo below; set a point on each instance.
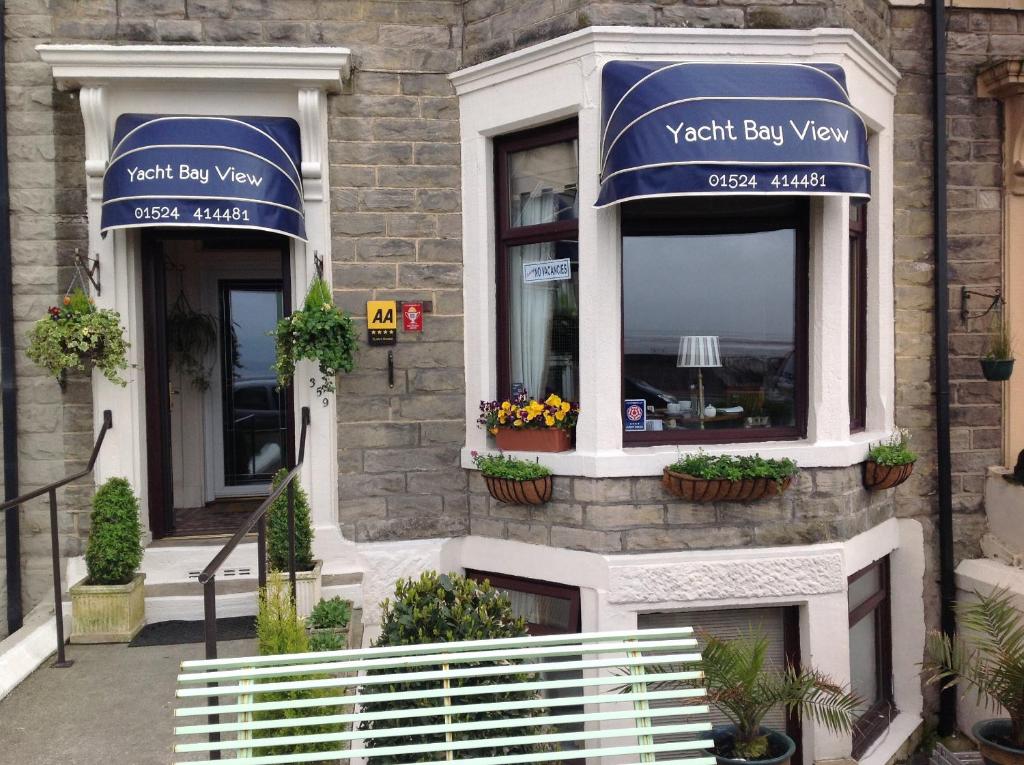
(206, 171)
(697, 128)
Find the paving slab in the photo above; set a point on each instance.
(113, 707)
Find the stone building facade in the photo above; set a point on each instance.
(396, 231)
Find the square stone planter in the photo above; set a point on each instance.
(107, 613)
(307, 589)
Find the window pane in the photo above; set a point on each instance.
(542, 184)
(736, 291)
(858, 307)
(864, 587)
(543, 313)
(864, 662)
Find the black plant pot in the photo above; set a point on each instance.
(780, 746)
(997, 370)
(993, 737)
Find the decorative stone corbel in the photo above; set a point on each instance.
(92, 101)
(311, 132)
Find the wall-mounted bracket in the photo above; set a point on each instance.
(965, 296)
(90, 267)
(318, 265)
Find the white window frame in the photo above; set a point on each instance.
(562, 78)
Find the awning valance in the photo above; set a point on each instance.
(690, 128)
(225, 172)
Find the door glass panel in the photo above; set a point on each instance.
(254, 413)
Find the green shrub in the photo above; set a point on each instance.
(280, 631)
(330, 613)
(501, 466)
(327, 641)
(277, 529)
(894, 451)
(445, 608)
(114, 551)
(704, 465)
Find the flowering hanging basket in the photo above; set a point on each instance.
(534, 491)
(878, 477)
(694, 489)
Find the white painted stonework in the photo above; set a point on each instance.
(561, 78)
(221, 80)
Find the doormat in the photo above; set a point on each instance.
(182, 632)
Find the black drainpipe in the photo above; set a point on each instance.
(947, 584)
(9, 405)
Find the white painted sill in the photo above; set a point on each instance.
(650, 460)
(892, 739)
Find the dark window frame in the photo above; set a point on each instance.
(858, 318)
(512, 236)
(878, 716)
(800, 222)
(536, 587)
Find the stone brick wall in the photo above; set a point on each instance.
(632, 515)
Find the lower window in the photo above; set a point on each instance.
(714, 296)
(871, 652)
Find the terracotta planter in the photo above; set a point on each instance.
(720, 489)
(533, 440)
(878, 477)
(107, 613)
(533, 491)
(993, 742)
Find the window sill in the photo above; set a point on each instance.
(650, 460)
(888, 745)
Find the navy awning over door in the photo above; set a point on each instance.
(226, 172)
(690, 128)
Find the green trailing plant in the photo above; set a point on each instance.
(444, 608)
(1000, 344)
(744, 687)
(732, 468)
(191, 338)
(987, 655)
(77, 332)
(320, 332)
(893, 451)
(280, 631)
(502, 466)
(333, 613)
(114, 550)
(277, 528)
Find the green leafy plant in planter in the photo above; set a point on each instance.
(702, 477)
(744, 686)
(78, 332)
(320, 332)
(108, 605)
(445, 608)
(514, 481)
(191, 337)
(890, 462)
(277, 528)
(988, 656)
(327, 624)
(997, 363)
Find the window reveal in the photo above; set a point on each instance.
(538, 263)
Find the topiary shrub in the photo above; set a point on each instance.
(114, 551)
(441, 608)
(277, 529)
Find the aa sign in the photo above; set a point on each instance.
(381, 321)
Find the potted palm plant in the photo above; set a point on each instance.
(991, 661)
(514, 482)
(890, 462)
(997, 363)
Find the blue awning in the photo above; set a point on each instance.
(223, 172)
(674, 129)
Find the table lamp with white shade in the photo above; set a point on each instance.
(700, 352)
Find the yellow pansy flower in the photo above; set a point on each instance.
(553, 400)
(518, 423)
(505, 406)
(494, 431)
(559, 416)
(565, 406)
(549, 420)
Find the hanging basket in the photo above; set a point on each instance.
(532, 491)
(878, 477)
(997, 370)
(704, 490)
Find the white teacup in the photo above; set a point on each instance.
(675, 408)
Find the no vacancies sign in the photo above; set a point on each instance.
(547, 271)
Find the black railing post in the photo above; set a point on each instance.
(210, 629)
(291, 539)
(58, 601)
(261, 551)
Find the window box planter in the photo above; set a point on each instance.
(531, 491)
(107, 613)
(694, 489)
(880, 477)
(997, 370)
(533, 440)
(307, 588)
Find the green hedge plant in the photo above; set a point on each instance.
(444, 608)
(114, 550)
(327, 614)
(277, 528)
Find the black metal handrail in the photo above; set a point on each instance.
(51, 489)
